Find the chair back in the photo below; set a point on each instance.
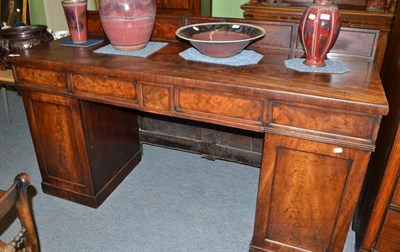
(16, 196)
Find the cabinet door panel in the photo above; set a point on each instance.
(388, 240)
(113, 138)
(58, 137)
(307, 194)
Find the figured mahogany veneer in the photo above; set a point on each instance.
(156, 97)
(103, 86)
(42, 77)
(310, 118)
(318, 129)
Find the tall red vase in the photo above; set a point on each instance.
(319, 29)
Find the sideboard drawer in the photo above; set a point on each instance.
(316, 120)
(109, 87)
(155, 97)
(38, 77)
(220, 106)
(396, 196)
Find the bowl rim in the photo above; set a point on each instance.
(220, 23)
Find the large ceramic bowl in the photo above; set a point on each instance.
(220, 39)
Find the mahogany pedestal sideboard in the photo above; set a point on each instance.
(214, 141)
(319, 129)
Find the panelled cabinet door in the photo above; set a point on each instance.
(58, 136)
(307, 194)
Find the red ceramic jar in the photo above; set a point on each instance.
(128, 24)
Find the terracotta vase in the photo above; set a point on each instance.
(319, 29)
(128, 24)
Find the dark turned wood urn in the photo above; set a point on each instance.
(21, 38)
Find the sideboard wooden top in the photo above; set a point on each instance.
(359, 90)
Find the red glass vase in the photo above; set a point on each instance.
(319, 29)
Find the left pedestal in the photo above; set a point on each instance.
(84, 149)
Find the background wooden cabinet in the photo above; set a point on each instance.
(353, 14)
(377, 218)
(379, 226)
(388, 239)
(179, 7)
